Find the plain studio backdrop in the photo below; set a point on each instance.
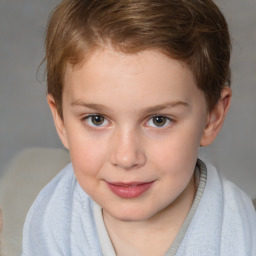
(25, 119)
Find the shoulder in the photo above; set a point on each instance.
(238, 203)
(61, 220)
(239, 216)
(234, 198)
(48, 222)
(56, 195)
(59, 187)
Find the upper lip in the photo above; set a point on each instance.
(128, 184)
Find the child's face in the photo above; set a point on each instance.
(133, 125)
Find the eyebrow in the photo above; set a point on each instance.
(100, 107)
(166, 105)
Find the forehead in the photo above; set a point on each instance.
(150, 74)
(103, 59)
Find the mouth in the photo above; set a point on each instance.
(129, 190)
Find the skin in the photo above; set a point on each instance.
(127, 92)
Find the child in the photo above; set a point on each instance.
(135, 87)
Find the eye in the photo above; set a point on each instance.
(96, 120)
(159, 121)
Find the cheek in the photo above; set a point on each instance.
(176, 155)
(176, 148)
(175, 163)
(87, 156)
(87, 159)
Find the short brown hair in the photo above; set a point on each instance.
(193, 31)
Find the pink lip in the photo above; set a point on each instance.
(129, 190)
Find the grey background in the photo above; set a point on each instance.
(25, 119)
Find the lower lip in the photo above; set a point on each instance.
(130, 191)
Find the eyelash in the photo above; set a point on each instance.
(89, 122)
(167, 123)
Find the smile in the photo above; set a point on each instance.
(129, 190)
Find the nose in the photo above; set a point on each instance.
(127, 150)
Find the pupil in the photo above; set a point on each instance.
(97, 120)
(159, 120)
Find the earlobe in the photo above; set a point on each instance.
(216, 117)
(58, 121)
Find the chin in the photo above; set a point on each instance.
(131, 214)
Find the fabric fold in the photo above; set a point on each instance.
(61, 221)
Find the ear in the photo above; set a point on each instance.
(216, 117)
(58, 121)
